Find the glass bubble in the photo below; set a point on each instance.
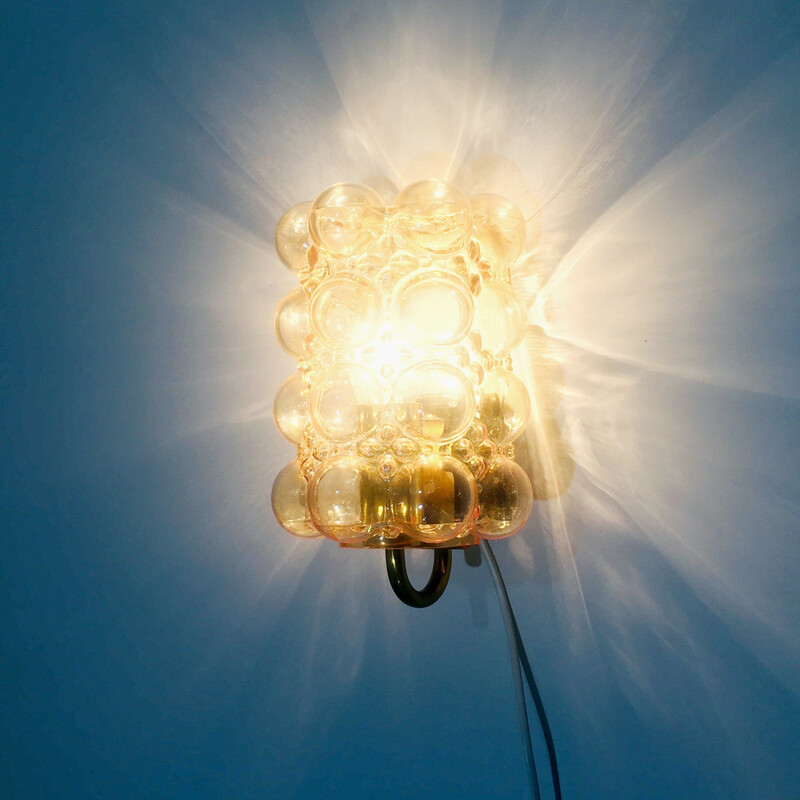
(345, 311)
(322, 450)
(476, 373)
(387, 355)
(500, 227)
(292, 323)
(506, 499)
(504, 405)
(387, 434)
(346, 404)
(455, 264)
(387, 465)
(346, 218)
(459, 356)
(487, 450)
(370, 264)
(433, 216)
(462, 449)
(500, 317)
(434, 498)
(477, 466)
(433, 401)
(370, 448)
(347, 499)
(291, 236)
(405, 448)
(309, 466)
(400, 264)
(290, 409)
(433, 307)
(477, 432)
(289, 502)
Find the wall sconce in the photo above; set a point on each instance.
(405, 405)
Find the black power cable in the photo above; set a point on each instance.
(519, 658)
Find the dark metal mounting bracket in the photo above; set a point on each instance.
(437, 583)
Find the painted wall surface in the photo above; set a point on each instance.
(161, 636)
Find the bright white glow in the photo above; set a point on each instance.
(660, 271)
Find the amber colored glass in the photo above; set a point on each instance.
(405, 401)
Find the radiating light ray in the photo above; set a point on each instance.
(655, 225)
(719, 176)
(703, 215)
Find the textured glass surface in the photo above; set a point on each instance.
(505, 498)
(500, 317)
(433, 307)
(346, 218)
(292, 323)
(290, 410)
(434, 498)
(433, 216)
(403, 327)
(433, 401)
(346, 403)
(347, 499)
(504, 405)
(500, 228)
(291, 237)
(289, 502)
(345, 311)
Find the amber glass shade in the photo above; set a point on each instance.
(405, 404)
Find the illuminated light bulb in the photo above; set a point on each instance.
(346, 218)
(433, 216)
(500, 317)
(505, 499)
(500, 228)
(433, 307)
(292, 238)
(289, 503)
(387, 356)
(290, 409)
(292, 323)
(345, 311)
(434, 497)
(345, 405)
(433, 401)
(504, 406)
(347, 499)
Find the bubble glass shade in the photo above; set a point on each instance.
(405, 402)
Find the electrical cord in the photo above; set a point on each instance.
(544, 724)
(520, 663)
(516, 671)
